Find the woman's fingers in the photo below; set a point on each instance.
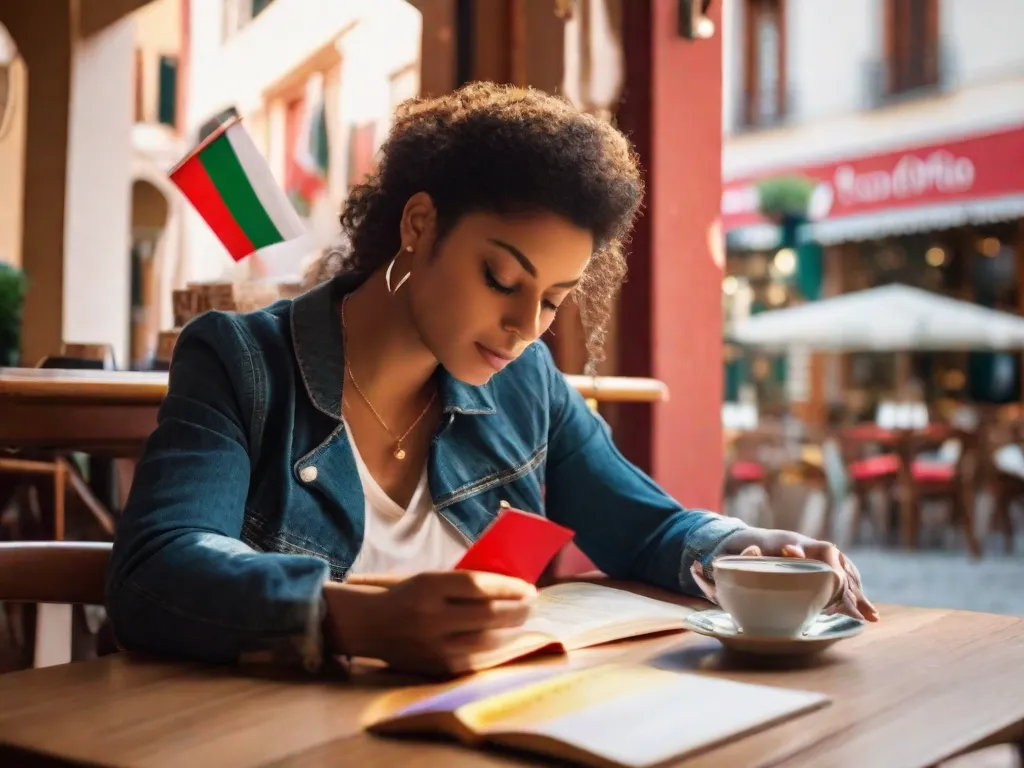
(478, 617)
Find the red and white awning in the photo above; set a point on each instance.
(973, 180)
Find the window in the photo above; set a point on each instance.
(259, 6)
(765, 65)
(167, 95)
(912, 44)
(238, 13)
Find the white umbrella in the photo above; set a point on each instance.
(891, 318)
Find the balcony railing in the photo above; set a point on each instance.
(757, 114)
(884, 86)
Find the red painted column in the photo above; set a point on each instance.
(671, 317)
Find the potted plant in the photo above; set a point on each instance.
(784, 197)
(13, 286)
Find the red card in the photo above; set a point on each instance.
(516, 544)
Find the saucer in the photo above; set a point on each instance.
(825, 631)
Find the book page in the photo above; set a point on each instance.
(577, 612)
(583, 715)
(612, 714)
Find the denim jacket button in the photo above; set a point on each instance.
(307, 474)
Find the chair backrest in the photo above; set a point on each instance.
(53, 571)
(103, 353)
(834, 467)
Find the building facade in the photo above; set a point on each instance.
(88, 128)
(869, 142)
(315, 82)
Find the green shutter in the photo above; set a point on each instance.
(259, 6)
(167, 111)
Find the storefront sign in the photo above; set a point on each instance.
(974, 168)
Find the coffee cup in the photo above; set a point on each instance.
(774, 596)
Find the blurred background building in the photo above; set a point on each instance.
(89, 108)
(315, 82)
(898, 129)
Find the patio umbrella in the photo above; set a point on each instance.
(891, 318)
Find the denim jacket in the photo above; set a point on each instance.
(247, 499)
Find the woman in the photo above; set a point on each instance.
(377, 423)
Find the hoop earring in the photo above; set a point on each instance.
(387, 275)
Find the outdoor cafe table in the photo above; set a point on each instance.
(113, 412)
(922, 686)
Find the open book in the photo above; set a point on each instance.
(618, 716)
(575, 615)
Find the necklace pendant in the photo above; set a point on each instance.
(399, 452)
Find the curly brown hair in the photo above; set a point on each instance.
(501, 149)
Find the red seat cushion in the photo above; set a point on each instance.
(749, 471)
(933, 472)
(875, 467)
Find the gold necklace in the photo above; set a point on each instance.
(399, 452)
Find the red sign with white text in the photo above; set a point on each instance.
(975, 168)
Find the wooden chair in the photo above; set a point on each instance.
(868, 474)
(61, 469)
(952, 480)
(53, 572)
(54, 576)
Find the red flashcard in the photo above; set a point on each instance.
(516, 544)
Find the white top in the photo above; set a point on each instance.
(403, 541)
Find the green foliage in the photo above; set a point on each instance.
(782, 196)
(13, 286)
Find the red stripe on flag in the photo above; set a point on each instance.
(193, 180)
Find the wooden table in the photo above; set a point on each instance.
(920, 687)
(113, 412)
(108, 412)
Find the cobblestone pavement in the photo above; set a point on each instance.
(943, 579)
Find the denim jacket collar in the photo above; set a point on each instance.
(320, 354)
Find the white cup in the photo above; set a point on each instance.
(774, 596)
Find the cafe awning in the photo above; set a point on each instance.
(971, 180)
(919, 219)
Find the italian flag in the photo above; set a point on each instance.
(231, 186)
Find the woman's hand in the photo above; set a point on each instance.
(431, 622)
(773, 543)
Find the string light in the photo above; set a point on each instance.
(785, 261)
(935, 256)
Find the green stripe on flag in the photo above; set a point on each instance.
(227, 175)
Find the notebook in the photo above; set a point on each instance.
(573, 615)
(610, 716)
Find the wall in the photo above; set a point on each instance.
(988, 38)
(157, 33)
(732, 63)
(239, 69)
(12, 166)
(96, 271)
(372, 52)
(824, 84)
(830, 46)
